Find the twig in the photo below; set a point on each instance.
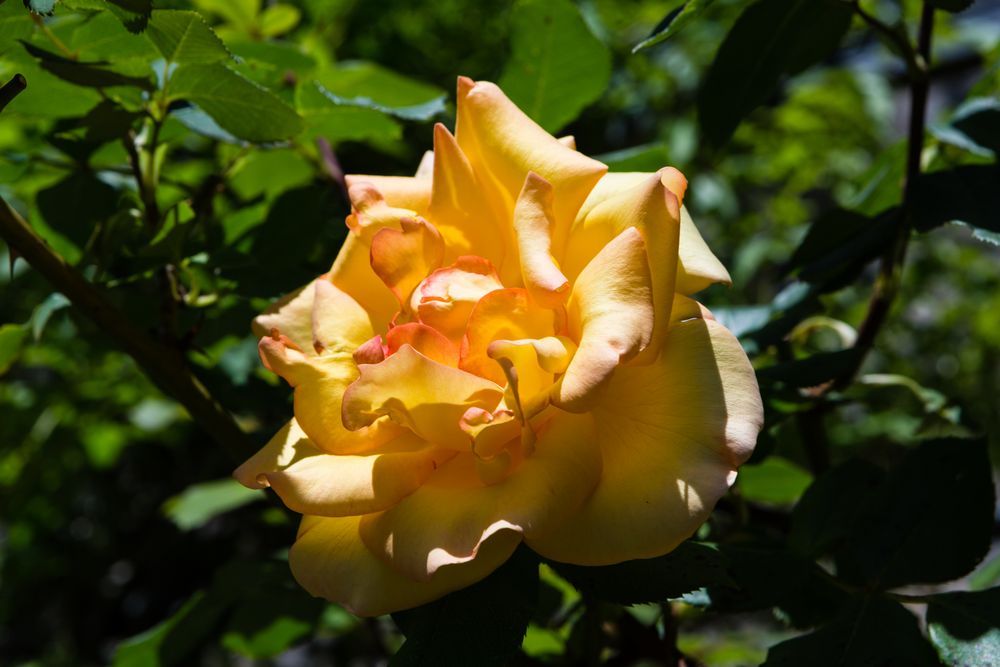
(887, 283)
(165, 366)
(913, 63)
(12, 89)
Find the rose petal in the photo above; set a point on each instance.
(427, 397)
(502, 314)
(652, 209)
(447, 519)
(468, 220)
(404, 257)
(533, 222)
(697, 267)
(501, 141)
(330, 561)
(399, 191)
(288, 446)
(339, 323)
(672, 434)
(320, 383)
(447, 297)
(291, 315)
(334, 485)
(610, 315)
(425, 340)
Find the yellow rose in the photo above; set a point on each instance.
(503, 351)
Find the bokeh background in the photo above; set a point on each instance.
(122, 539)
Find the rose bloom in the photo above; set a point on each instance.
(504, 351)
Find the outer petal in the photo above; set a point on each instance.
(291, 315)
(449, 517)
(331, 485)
(501, 141)
(427, 397)
(339, 323)
(534, 223)
(399, 191)
(330, 561)
(672, 435)
(652, 209)
(288, 446)
(610, 315)
(320, 383)
(697, 268)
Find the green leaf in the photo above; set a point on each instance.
(278, 19)
(986, 575)
(967, 193)
(354, 79)
(12, 337)
(173, 640)
(557, 66)
(775, 481)
(133, 14)
(941, 493)
(825, 515)
(770, 40)
(673, 22)
(239, 106)
(92, 74)
(77, 204)
(839, 244)
(15, 24)
(810, 371)
(965, 627)
(336, 122)
(183, 37)
(692, 565)
(975, 126)
(43, 311)
(424, 111)
(103, 37)
(481, 625)
(200, 503)
(870, 631)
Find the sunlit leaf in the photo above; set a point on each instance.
(200, 503)
(673, 22)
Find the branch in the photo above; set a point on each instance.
(165, 366)
(890, 269)
(12, 89)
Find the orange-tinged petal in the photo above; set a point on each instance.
(447, 297)
(330, 561)
(425, 340)
(403, 257)
(490, 432)
(529, 365)
(534, 222)
(672, 434)
(427, 397)
(501, 141)
(339, 323)
(651, 208)
(503, 314)
(352, 271)
(610, 315)
(399, 191)
(468, 220)
(320, 383)
(446, 520)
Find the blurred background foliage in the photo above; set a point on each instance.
(190, 163)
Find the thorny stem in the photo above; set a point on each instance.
(888, 280)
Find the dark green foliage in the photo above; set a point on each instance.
(188, 161)
(479, 625)
(689, 567)
(771, 39)
(965, 627)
